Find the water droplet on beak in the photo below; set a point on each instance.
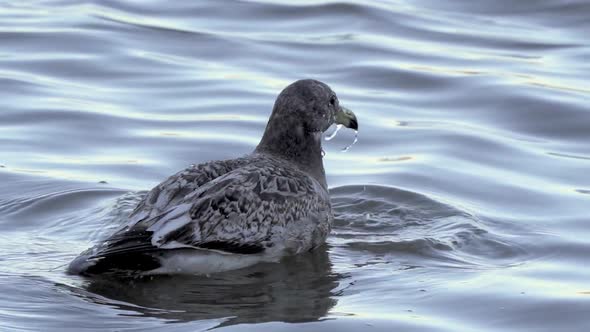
(356, 138)
(332, 135)
(335, 132)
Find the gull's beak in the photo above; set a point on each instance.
(346, 118)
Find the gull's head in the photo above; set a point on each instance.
(311, 106)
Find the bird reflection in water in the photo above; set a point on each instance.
(301, 288)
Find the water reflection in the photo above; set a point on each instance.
(300, 289)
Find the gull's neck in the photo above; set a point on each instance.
(295, 145)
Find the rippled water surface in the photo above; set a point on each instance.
(463, 207)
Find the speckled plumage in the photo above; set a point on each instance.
(268, 204)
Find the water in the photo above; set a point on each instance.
(463, 207)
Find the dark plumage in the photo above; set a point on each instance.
(228, 214)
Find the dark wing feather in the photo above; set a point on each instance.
(125, 243)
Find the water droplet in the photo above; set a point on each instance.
(356, 138)
(333, 134)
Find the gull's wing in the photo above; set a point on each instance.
(178, 186)
(247, 210)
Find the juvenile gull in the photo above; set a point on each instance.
(229, 214)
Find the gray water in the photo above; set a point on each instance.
(463, 207)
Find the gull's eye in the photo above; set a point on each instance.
(333, 100)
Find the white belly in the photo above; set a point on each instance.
(204, 262)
